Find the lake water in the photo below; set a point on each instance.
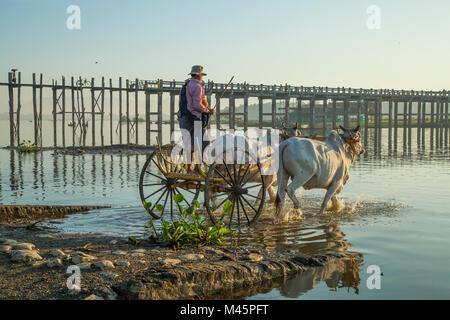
(396, 215)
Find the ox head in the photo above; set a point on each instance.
(353, 137)
(290, 132)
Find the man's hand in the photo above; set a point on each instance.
(211, 112)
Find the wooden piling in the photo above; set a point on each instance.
(63, 110)
(11, 110)
(110, 111)
(136, 110)
(128, 110)
(274, 111)
(334, 114)
(261, 111)
(312, 104)
(120, 111)
(93, 111)
(217, 112)
(159, 115)
(324, 116)
(147, 115)
(35, 114)
(19, 106)
(72, 91)
(55, 139)
(40, 108)
(102, 115)
(246, 112)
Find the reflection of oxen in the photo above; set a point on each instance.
(339, 273)
(317, 164)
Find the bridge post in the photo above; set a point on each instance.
(159, 116)
(246, 111)
(136, 110)
(231, 111)
(11, 109)
(128, 110)
(325, 116)
(63, 111)
(274, 110)
(55, 141)
(147, 115)
(312, 104)
(334, 113)
(446, 123)
(172, 112)
(217, 112)
(120, 111)
(93, 110)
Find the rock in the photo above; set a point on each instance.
(84, 266)
(5, 248)
(122, 264)
(82, 259)
(254, 257)
(170, 262)
(227, 257)
(104, 264)
(9, 242)
(57, 253)
(24, 256)
(24, 246)
(139, 251)
(2, 240)
(137, 254)
(108, 275)
(93, 297)
(213, 251)
(54, 263)
(108, 294)
(120, 253)
(142, 261)
(191, 257)
(113, 242)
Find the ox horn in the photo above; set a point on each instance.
(357, 128)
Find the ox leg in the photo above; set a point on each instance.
(272, 194)
(330, 193)
(298, 181)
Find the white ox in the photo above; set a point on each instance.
(313, 164)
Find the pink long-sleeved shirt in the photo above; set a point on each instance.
(195, 95)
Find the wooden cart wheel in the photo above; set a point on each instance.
(159, 190)
(240, 183)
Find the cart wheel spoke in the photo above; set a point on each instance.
(245, 212)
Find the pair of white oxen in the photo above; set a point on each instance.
(309, 163)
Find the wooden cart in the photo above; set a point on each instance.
(235, 176)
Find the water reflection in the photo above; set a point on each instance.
(339, 273)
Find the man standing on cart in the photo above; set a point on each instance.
(194, 110)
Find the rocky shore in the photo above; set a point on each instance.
(40, 266)
(20, 213)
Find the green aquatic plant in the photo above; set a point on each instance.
(26, 146)
(191, 227)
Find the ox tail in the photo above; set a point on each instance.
(282, 178)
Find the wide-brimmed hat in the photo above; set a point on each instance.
(197, 70)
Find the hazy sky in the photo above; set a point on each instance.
(324, 43)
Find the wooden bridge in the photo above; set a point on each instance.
(80, 100)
